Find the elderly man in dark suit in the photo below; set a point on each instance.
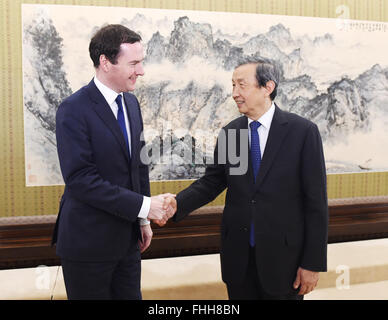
(275, 221)
(103, 221)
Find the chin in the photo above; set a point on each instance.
(130, 88)
(242, 110)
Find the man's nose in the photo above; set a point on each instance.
(235, 93)
(139, 69)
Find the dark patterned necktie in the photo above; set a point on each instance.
(121, 120)
(256, 160)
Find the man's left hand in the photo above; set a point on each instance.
(306, 280)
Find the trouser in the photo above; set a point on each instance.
(251, 288)
(106, 280)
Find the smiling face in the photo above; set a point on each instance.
(121, 76)
(251, 100)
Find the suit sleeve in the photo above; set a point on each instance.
(203, 190)
(315, 202)
(143, 177)
(79, 171)
(143, 168)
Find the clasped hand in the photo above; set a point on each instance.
(163, 207)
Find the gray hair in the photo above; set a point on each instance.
(266, 70)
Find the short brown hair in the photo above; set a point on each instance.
(107, 41)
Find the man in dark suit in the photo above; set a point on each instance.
(275, 220)
(103, 221)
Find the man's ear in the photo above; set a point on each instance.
(104, 63)
(270, 86)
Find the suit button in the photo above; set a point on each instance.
(245, 229)
(253, 201)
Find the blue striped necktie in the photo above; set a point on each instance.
(121, 120)
(256, 160)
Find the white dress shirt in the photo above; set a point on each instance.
(110, 97)
(263, 130)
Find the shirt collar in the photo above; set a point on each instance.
(266, 119)
(109, 94)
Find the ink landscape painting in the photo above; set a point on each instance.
(333, 72)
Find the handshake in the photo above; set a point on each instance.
(163, 207)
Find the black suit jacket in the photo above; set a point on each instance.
(288, 203)
(104, 187)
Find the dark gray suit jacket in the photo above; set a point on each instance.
(288, 204)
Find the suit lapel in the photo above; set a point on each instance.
(104, 111)
(277, 133)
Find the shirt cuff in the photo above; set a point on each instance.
(144, 210)
(144, 222)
